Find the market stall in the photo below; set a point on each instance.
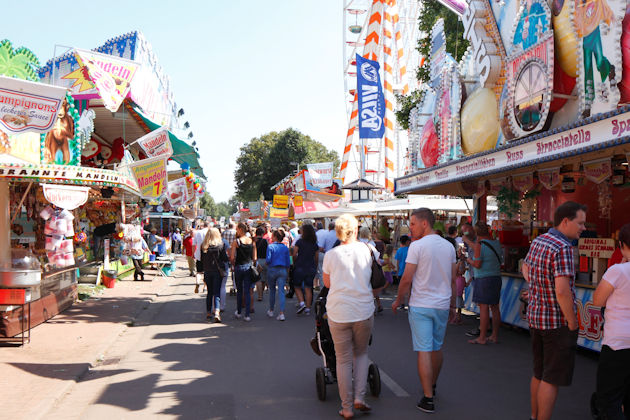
(523, 119)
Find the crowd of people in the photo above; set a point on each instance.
(433, 269)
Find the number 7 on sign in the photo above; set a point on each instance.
(156, 187)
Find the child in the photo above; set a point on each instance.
(460, 284)
(388, 270)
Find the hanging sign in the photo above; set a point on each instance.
(28, 106)
(278, 213)
(177, 192)
(523, 182)
(281, 201)
(67, 197)
(321, 174)
(596, 247)
(112, 76)
(371, 103)
(298, 201)
(151, 176)
(254, 208)
(597, 171)
(156, 143)
(549, 178)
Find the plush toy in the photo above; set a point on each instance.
(117, 151)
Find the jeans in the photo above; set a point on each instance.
(137, 264)
(262, 264)
(351, 341)
(223, 283)
(212, 279)
(243, 278)
(277, 274)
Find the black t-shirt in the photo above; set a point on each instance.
(306, 255)
(261, 248)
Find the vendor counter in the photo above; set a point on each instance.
(514, 310)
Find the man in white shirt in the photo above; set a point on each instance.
(198, 237)
(429, 276)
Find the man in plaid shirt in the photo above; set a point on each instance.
(230, 234)
(551, 310)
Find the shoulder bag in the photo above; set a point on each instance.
(377, 279)
(221, 269)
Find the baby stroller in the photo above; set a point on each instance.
(323, 346)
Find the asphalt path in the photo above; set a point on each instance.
(174, 364)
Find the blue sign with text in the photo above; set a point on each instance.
(371, 100)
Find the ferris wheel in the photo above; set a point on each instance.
(385, 31)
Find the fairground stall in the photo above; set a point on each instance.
(533, 115)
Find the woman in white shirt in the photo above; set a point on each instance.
(613, 369)
(350, 308)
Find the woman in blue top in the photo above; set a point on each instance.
(486, 264)
(278, 263)
(306, 256)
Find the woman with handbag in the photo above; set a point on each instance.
(486, 262)
(278, 263)
(213, 258)
(347, 272)
(242, 253)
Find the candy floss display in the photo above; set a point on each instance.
(545, 119)
(58, 227)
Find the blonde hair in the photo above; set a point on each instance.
(213, 238)
(345, 226)
(365, 233)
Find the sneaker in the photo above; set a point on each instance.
(247, 319)
(473, 333)
(217, 316)
(301, 309)
(280, 317)
(270, 313)
(426, 405)
(237, 315)
(307, 311)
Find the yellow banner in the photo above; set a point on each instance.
(281, 201)
(298, 201)
(278, 213)
(151, 176)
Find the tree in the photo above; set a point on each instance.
(267, 159)
(218, 210)
(207, 203)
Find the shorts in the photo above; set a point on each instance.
(389, 277)
(459, 302)
(554, 355)
(199, 266)
(428, 326)
(487, 290)
(304, 277)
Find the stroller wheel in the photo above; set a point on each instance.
(374, 380)
(320, 380)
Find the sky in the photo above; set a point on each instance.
(239, 68)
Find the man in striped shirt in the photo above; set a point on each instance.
(551, 311)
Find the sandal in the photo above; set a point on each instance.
(345, 416)
(362, 407)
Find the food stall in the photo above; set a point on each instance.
(526, 119)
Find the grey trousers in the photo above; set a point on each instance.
(351, 347)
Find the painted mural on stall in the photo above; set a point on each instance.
(531, 66)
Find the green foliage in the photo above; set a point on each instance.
(267, 159)
(456, 45)
(20, 63)
(217, 210)
(406, 104)
(508, 202)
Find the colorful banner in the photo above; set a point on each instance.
(28, 106)
(281, 201)
(298, 201)
(278, 213)
(156, 143)
(549, 178)
(597, 171)
(67, 197)
(151, 177)
(321, 174)
(177, 192)
(523, 182)
(112, 76)
(255, 209)
(334, 189)
(371, 102)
